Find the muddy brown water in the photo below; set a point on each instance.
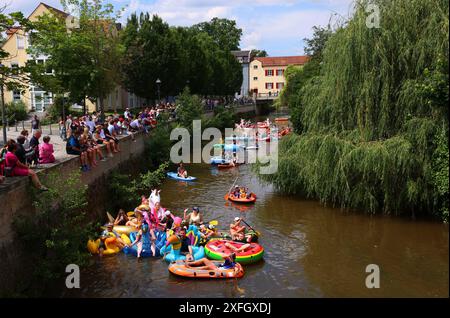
(310, 250)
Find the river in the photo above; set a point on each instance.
(310, 250)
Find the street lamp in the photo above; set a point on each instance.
(63, 130)
(3, 105)
(158, 84)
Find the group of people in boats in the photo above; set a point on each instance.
(149, 217)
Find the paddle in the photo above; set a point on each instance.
(214, 222)
(226, 195)
(257, 232)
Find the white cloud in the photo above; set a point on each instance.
(274, 25)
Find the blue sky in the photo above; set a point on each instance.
(277, 26)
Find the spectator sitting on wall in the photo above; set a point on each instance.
(14, 168)
(117, 126)
(34, 146)
(20, 151)
(94, 117)
(127, 113)
(85, 147)
(100, 138)
(46, 151)
(135, 125)
(26, 144)
(111, 137)
(73, 148)
(90, 124)
(94, 146)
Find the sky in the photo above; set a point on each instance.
(277, 26)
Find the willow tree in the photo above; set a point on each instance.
(375, 118)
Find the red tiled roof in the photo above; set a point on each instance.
(283, 60)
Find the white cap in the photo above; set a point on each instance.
(237, 218)
(167, 212)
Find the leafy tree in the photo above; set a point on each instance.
(179, 57)
(150, 44)
(258, 53)
(84, 57)
(224, 32)
(188, 107)
(315, 46)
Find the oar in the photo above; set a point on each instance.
(257, 232)
(226, 195)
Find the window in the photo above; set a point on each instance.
(14, 68)
(255, 67)
(280, 85)
(255, 78)
(20, 42)
(269, 85)
(16, 95)
(269, 72)
(280, 72)
(48, 70)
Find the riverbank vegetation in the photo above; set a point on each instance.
(370, 113)
(55, 235)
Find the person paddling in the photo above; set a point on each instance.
(181, 172)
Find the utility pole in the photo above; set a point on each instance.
(3, 105)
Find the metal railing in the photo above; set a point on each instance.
(49, 129)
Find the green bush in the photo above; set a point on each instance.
(56, 234)
(189, 107)
(126, 194)
(16, 111)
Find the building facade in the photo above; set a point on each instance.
(266, 74)
(243, 57)
(36, 98)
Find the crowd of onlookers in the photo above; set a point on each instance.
(85, 136)
(18, 156)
